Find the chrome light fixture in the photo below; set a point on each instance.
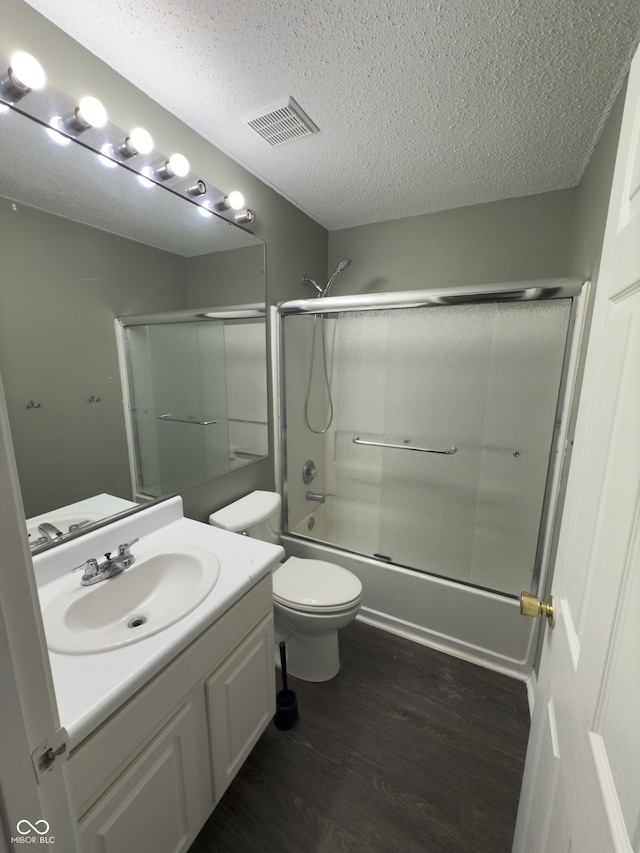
(139, 141)
(199, 188)
(235, 201)
(65, 119)
(23, 75)
(244, 217)
(90, 112)
(177, 166)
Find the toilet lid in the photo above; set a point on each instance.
(314, 584)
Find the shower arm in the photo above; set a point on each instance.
(322, 292)
(307, 280)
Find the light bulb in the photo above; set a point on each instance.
(146, 177)
(106, 156)
(178, 165)
(25, 73)
(236, 200)
(56, 131)
(90, 112)
(139, 141)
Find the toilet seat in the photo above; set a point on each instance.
(315, 586)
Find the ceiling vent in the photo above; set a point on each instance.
(281, 122)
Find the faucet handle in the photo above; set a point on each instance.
(90, 567)
(123, 550)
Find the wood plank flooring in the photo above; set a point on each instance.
(406, 750)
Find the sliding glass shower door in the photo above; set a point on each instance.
(438, 453)
(178, 402)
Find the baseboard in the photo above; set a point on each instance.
(532, 685)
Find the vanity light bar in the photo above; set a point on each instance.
(134, 151)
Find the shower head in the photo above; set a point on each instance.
(341, 266)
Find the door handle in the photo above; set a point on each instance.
(531, 605)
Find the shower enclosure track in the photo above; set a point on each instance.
(525, 291)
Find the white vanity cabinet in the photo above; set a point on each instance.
(240, 703)
(151, 775)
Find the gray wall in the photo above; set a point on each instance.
(233, 277)
(587, 234)
(295, 244)
(62, 284)
(507, 240)
(511, 240)
(592, 199)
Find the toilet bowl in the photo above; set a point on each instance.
(312, 599)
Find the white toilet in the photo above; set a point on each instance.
(312, 599)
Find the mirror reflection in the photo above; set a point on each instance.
(195, 394)
(84, 242)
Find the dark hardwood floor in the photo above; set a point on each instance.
(406, 750)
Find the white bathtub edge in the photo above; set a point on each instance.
(440, 643)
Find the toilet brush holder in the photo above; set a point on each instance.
(286, 714)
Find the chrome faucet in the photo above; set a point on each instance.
(316, 496)
(50, 531)
(94, 572)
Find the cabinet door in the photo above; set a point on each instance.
(240, 703)
(151, 806)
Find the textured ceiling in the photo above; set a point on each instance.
(422, 106)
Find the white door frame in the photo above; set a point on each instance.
(28, 710)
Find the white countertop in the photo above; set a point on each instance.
(90, 509)
(89, 688)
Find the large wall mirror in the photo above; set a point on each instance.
(83, 242)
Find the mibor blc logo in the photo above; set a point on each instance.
(33, 833)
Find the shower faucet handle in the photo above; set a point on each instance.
(309, 472)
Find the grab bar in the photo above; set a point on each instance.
(185, 419)
(357, 440)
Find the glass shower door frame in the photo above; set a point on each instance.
(574, 289)
(228, 313)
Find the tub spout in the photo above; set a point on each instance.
(316, 496)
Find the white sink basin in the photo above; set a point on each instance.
(153, 593)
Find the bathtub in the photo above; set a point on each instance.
(482, 627)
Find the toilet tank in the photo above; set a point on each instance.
(256, 514)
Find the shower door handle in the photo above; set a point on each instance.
(357, 440)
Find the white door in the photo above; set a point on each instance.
(33, 810)
(581, 788)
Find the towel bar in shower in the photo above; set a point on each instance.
(357, 440)
(185, 419)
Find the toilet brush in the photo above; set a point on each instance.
(286, 703)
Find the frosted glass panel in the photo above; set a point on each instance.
(179, 403)
(482, 378)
